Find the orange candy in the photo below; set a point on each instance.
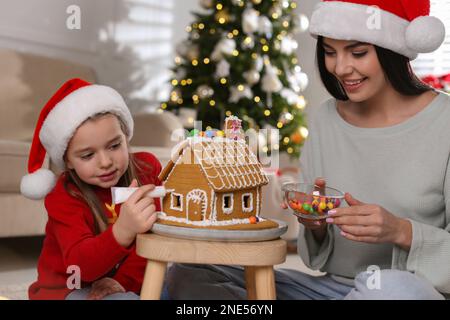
(292, 204)
(252, 219)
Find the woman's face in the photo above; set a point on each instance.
(357, 68)
(98, 151)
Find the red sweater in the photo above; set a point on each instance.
(70, 240)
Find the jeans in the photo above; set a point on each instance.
(204, 282)
(81, 294)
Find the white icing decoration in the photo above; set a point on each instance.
(227, 165)
(250, 207)
(257, 201)
(164, 216)
(172, 198)
(197, 196)
(228, 210)
(213, 206)
(232, 118)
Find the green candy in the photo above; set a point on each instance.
(193, 133)
(306, 207)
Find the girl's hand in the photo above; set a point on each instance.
(137, 215)
(104, 287)
(370, 223)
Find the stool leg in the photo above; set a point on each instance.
(153, 280)
(250, 282)
(265, 283)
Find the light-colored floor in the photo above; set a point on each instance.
(18, 261)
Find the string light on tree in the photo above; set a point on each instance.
(204, 91)
(222, 16)
(240, 58)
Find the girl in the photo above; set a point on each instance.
(384, 138)
(89, 251)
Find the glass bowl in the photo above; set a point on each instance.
(310, 201)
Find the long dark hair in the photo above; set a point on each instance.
(396, 68)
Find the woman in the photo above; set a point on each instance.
(384, 139)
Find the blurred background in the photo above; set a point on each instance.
(139, 47)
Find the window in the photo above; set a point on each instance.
(142, 41)
(176, 201)
(247, 202)
(436, 63)
(227, 203)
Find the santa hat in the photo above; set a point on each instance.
(76, 101)
(403, 26)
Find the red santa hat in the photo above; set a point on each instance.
(76, 101)
(403, 26)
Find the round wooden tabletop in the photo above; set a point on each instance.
(260, 253)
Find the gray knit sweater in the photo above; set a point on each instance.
(403, 168)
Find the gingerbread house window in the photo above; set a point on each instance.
(176, 201)
(227, 203)
(247, 202)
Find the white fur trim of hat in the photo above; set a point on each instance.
(61, 124)
(351, 21)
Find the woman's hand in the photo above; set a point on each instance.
(370, 223)
(312, 224)
(104, 287)
(137, 215)
(318, 227)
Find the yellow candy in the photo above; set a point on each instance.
(330, 205)
(322, 206)
(315, 203)
(220, 133)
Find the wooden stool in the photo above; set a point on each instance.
(258, 258)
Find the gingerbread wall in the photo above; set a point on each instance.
(237, 212)
(185, 178)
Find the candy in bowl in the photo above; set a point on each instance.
(310, 201)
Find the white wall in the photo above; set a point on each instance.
(315, 93)
(183, 17)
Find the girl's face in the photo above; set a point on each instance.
(357, 68)
(98, 151)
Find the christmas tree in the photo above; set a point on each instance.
(240, 59)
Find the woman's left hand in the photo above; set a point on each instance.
(371, 223)
(104, 287)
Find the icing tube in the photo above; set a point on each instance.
(120, 195)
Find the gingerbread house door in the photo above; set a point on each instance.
(196, 204)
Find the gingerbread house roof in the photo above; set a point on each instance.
(228, 165)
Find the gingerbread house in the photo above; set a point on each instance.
(213, 182)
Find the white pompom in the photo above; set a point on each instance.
(425, 34)
(37, 184)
